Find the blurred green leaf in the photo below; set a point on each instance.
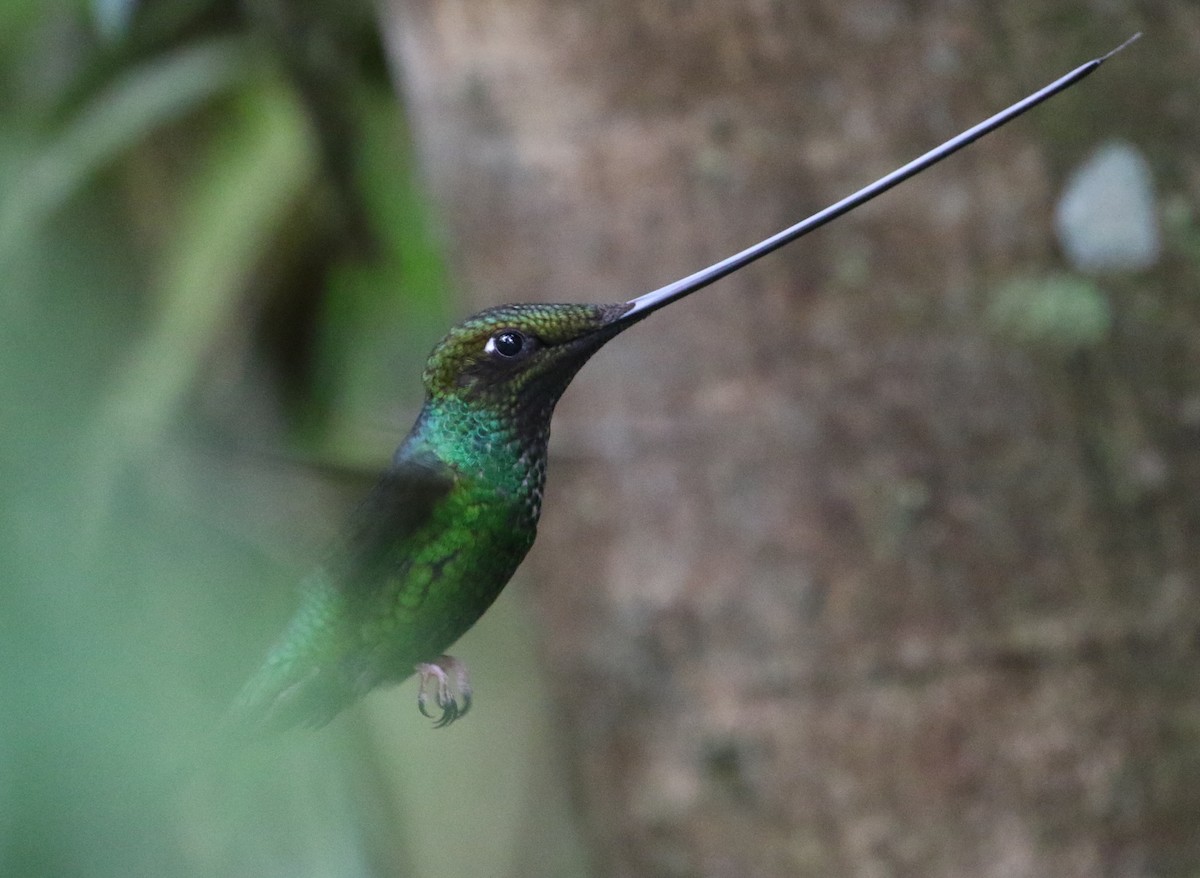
(253, 175)
(136, 104)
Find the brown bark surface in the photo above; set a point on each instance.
(836, 579)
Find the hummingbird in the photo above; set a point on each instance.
(444, 529)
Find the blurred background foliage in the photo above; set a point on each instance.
(219, 283)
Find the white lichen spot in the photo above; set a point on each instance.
(1107, 217)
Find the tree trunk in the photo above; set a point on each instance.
(838, 573)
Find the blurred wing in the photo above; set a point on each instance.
(304, 679)
(401, 502)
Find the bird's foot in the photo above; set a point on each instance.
(451, 705)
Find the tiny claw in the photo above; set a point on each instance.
(462, 682)
(449, 715)
(430, 671)
(443, 695)
(421, 701)
(464, 690)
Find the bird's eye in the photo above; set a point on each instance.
(507, 344)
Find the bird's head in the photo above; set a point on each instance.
(519, 355)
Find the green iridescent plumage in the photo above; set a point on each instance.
(442, 532)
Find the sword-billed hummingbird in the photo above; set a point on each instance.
(439, 536)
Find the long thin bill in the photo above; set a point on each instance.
(648, 302)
